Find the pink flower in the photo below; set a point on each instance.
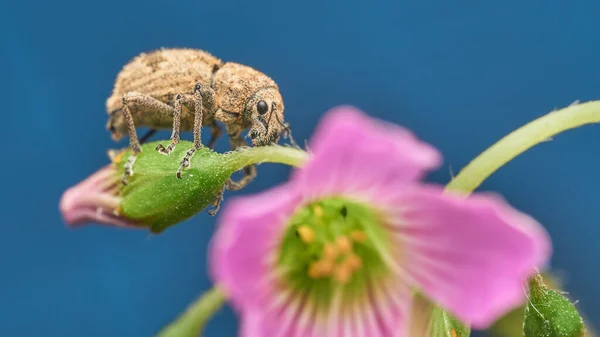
(340, 248)
(96, 199)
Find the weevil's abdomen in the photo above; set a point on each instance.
(234, 84)
(162, 74)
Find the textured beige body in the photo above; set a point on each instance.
(162, 74)
(165, 73)
(234, 84)
(186, 89)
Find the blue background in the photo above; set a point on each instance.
(460, 75)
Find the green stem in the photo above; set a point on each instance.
(522, 139)
(192, 322)
(272, 154)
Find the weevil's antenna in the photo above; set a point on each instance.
(288, 131)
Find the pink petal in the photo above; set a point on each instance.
(251, 324)
(471, 255)
(247, 237)
(94, 200)
(354, 153)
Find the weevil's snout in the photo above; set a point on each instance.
(260, 136)
(266, 111)
(116, 125)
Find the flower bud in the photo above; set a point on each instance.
(443, 324)
(550, 314)
(154, 197)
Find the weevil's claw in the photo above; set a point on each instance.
(216, 203)
(166, 151)
(292, 141)
(214, 211)
(128, 169)
(182, 166)
(287, 133)
(185, 163)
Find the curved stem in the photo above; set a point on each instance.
(191, 323)
(271, 153)
(519, 141)
(522, 139)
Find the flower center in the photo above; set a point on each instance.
(332, 244)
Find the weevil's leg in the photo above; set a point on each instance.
(288, 135)
(147, 136)
(287, 132)
(133, 140)
(145, 103)
(203, 94)
(215, 133)
(216, 204)
(235, 141)
(185, 162)
(249, 175)
(175, 137)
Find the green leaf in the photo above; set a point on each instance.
(550, 314)
(155, 197)
(443, 324)
(192, 322)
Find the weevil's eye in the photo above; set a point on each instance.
(262, 107)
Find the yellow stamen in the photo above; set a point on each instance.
(320, 268)
(314, 270)
(344, 244)
(306, 233)
(318, 211)
(330, 251)
(353, 262)
(342, 274)
(358, 236)
(326, 267)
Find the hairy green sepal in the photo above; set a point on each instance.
(550, 314)
(155, 196)
(445, 325)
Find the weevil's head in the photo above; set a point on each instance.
(116, 125)
(264, 112)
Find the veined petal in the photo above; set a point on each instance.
(251, 324)
(352, 153)
(471, 255)
(248, 235)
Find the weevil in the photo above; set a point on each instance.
(184, 89)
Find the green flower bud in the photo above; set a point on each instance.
(154, 197)
(550, 314)
(443, 324)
